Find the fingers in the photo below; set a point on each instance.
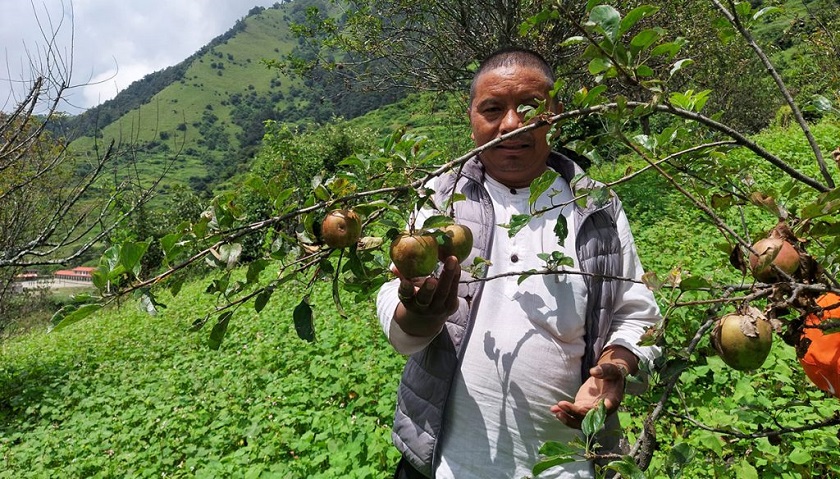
(570, 414)
(608, 371)
(430, 295)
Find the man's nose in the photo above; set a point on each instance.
(511, 121)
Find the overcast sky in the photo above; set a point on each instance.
(114, 42)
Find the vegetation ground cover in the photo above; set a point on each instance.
(128, 395)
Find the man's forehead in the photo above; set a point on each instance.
(504, 84)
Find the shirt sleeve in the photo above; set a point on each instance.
(635, 306)
(387, 301)
(386, 304)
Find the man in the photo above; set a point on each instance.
(499, 367)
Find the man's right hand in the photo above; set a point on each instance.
(425, 303)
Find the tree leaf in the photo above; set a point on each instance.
(254, 269)
(627, 467)
(633, 16)
(680, 455)
(593, 422)
(437, 221)
(130, 254)
(598, 65)
(693, 283)
(517, 222)
(541, 184)
(217, 335)
(766, 11)
(572, 41)
(680, 64)
(561, 229)
(71, 314)
(543, 466)
(608, 18)
(303, 320)
(262, 299)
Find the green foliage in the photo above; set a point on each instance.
(126, 395)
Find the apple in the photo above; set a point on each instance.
(457, 241)
(743, 340)
(414, 255)
(783, 255)
(341, 228)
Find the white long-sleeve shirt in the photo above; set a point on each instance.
(526, 347)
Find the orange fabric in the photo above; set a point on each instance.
(822, 360)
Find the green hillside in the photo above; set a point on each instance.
(203, 118)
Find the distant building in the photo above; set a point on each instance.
(79, 273)
(27, 276)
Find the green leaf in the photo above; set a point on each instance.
(541, 185)
(593, 422)
(217, 335)
(174, 285)
(71, 314)
(680, 64)
(303, 320)
(262, 299)
(608, 18)
(800, 456)
(743, 8)
(131, 253)
(554, 448)
(437, 221)
(254, 269)
(561, 229)
(517, 222)
(170, 245)
(633, 16)
(593, 95)
(669, 49)
(543, 466)
(572, 41)
(598, 65)
(627, 467)
(766, 11)
(527, 274)
(693, 283)
(645, 38)
(681, 454)
(644, 71)
(745, 470)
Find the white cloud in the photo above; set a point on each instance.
(114, 43)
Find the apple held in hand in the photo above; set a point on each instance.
(415, 255)
(341, 228)
(457, 241)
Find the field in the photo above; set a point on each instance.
(124, 394)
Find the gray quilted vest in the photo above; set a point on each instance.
(428, 374)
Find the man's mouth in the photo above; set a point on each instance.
(511, 146)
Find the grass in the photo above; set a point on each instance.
(123, 394)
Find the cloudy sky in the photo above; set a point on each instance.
(113, 42)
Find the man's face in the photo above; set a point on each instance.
(493, 112)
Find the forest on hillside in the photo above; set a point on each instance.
(715, 121)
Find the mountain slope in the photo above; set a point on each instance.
(209, 109)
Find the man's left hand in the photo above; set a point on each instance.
(606, 381)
